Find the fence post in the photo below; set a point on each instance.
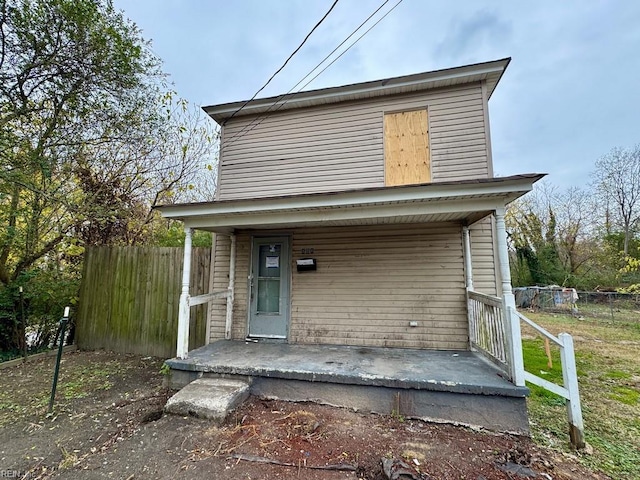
(23, 322)
(570, 379)
(610, 305)
(61, 330)
(514, 335)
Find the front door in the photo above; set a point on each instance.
(269, 288)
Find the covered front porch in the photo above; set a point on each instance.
(446, 386)
(459, 205)
(478, 383)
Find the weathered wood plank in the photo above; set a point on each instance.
(406, 148)
(128, 299)
(36, 356)
(486, 299)
(207, 297)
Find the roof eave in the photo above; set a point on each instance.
(424, 81)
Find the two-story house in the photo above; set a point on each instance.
(360, 241)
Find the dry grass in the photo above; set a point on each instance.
(609, 375)
(24, 395)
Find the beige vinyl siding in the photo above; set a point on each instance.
(483, 261)
(340, 146)
(218, 309)
(372, 281)
(485, 106)
(220, 281)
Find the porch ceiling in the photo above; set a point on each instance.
(464, 201)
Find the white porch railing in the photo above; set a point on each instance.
(569, 391)
(186, 301)
(486, 327)
(207, 297)
(490, 334)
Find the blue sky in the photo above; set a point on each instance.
(571, 93)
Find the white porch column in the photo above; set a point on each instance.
(512, 322)
(231, 287)
(467, 258)
(182, 348)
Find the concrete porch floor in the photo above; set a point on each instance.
(450, 386)
(448, 371)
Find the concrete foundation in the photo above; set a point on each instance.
(496, 413)
(178, 379)
(454, 387)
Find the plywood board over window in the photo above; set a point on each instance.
(406, 148)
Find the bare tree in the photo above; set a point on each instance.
(617, 180)
(575, 226)
(172, 161)
(549, 230)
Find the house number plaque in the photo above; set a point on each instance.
(307, 251)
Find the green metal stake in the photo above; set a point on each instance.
(24, 324)
(610, 305)
(63, 326)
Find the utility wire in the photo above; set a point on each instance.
(285, 62)
(266, 112)
(357, 40)
(264, 116)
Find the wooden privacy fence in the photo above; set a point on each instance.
(129, 299)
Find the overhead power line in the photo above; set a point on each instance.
(266, 113)
(258, 120)
(285, 62)
(356, 41)
(335, 49)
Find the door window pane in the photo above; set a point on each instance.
(269, 259)
(269, 295)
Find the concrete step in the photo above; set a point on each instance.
(210, 398)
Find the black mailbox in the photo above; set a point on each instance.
(306, 264)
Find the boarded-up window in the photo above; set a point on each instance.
(406, 148)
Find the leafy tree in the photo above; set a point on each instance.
(90, 139)
(170, 233)
(625, 268)
(174, 162)
(79, 82)
(575, 230)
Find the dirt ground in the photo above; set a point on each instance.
(108, 423)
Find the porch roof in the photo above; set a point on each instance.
(467, 201)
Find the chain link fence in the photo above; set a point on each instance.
(604, 305)
(614, 305)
